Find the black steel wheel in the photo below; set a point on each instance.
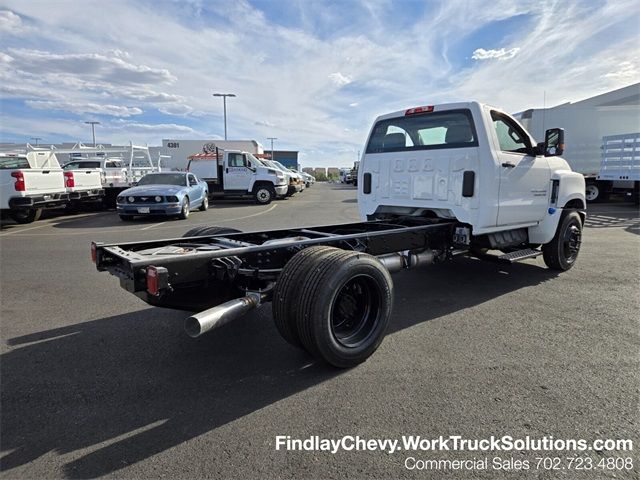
(263, 194)
(286, 294)
(562, 251)
(345, 307)
(26, 216)
(184, 213)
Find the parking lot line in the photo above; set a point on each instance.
(154, 225)
(106, 230)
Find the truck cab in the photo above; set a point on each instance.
(234, 173)
(470, 162)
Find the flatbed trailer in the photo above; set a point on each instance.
(223, 273)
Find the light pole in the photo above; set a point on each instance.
(272, 139)
(93, 130)
(224, 103)
(36, 139)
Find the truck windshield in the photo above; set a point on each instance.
(436, 130)
(9, 163)
(255, 160)
(164, 179)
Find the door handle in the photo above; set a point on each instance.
(508, 165)
(227, 170)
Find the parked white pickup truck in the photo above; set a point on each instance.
(233, 173)
(30, 183)
(435, 182)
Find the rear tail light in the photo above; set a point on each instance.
(19, 185)
(94, 252)
(69, 181)
(419, 110)
(152, 280)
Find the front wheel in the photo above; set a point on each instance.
(184, 213)
(264, 194)
(26, 216)
(562, 251)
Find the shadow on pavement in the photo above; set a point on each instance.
(625, 216)
(137, 382)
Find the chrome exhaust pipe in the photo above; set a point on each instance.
(215, 317)
(394, 262)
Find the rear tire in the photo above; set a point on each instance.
(208, 230)
(562, 251)
(184, 213)
(286, 294)
(345, 307)
(26, 216)
(205, 203)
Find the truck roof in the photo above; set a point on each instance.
(436, 108)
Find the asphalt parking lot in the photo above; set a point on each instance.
(95, 382)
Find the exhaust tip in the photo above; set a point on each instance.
(192, 327)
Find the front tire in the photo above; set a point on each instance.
(562, 251)
(184, 213)
(263, 194)
(26, 216)
(344, 307)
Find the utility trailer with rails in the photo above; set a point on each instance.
(434, 182)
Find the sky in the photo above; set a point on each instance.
(314, 74)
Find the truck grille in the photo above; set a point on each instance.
(144, 199)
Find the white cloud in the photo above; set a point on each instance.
(112, 110)
(10, 23)
(501, 54)
(264, 123)
(624, 71)
(339, 79)
(354, 104)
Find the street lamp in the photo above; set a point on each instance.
(224, 103)
(272, 139)
(93, 130)
(36, 139)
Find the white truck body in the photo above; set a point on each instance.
(234, 173)
(619, 168)
(82, 185)
(467, 161)
(30, 182)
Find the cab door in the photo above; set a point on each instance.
(237, 175)
(524, 176)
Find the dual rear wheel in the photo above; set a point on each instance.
(335, 304)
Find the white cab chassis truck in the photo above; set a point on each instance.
(238, 174)
(434, 183)
(29, 183)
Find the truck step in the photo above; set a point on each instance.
(518, 255)
(510, 257)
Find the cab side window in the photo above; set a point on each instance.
(236, 160)
(510, 135)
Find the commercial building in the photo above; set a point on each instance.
(586, 122)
